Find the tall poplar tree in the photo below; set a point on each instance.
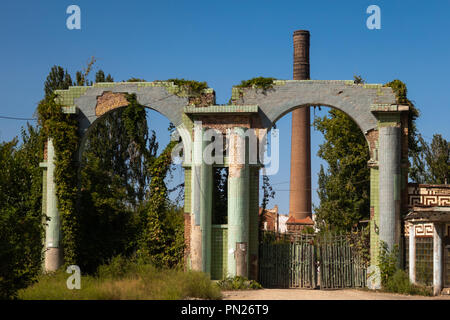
(431, 165)
(343, 188)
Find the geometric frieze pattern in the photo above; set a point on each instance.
(425, 229)
(432, 196)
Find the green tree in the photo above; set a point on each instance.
(431, 164)
(114, 180)
(109, 78)
(21, 217)
(99, 76)
(57, 79)
(80, 79)
(344, 186)
(156, 240)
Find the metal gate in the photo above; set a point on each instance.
(340, 264)
(286, 264)
(305, 261)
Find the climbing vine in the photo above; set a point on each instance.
(401, 93)
(154, 239)
(63, 130)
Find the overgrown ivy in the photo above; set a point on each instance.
(258, 82)
(62, 128)
(193, 87)
(401, 93)
(154, 239)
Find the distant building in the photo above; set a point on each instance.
(272, 220)
(427, 235)
(296, 225)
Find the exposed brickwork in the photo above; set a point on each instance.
(45, 151)
(187, 237)
(225, 122)
(203, 100)
(405, 131)
(404, 164)
(109, 101)
(372, 139)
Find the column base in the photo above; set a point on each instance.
(53, 259)
(373, 277)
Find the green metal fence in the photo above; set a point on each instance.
(308, 261)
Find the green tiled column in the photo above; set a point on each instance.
(53, 252)
(196, 234)
(205, 213)
(201, 202)
(238, 204)
(375, 221)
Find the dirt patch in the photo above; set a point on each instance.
(303, 294)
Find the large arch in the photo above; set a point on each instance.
(356, 100)
(91, 103)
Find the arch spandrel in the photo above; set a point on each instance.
(353, 99)
(159, 98)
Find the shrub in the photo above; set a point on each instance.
(387, 262)
(258, 82)
(399, 283)
(238, 283)
(117, 268)
(394, 279)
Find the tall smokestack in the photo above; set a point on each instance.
(300, 183)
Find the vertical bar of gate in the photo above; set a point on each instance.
(349, 267)
(334, 262)
(297, 269)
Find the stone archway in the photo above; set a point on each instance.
(372, 107)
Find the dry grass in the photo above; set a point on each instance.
(131, 282)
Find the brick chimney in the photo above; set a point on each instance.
(300, 180)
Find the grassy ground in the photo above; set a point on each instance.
(129, 281)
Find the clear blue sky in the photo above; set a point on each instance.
(224, 42)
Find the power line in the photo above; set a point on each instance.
(17, 118)
(88, 116)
